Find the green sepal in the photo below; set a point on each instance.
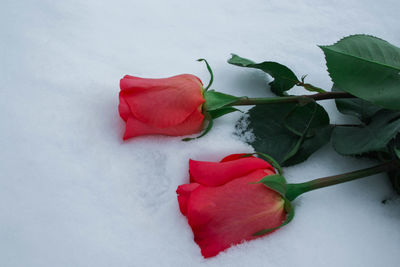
(210, 71)
(216, 100)
(275, 182)
(278, 184)
(271, 161)
(208, 128)
(289, 217)
(295, 190)
(284, 78)
(222, 111)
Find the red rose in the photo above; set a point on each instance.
(169, 106)
(223, 205)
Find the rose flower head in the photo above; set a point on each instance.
(225, 205)
(169, 106)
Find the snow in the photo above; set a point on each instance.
(73, 194)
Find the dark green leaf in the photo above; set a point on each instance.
(222, 111)
(397, 152)
(357, 107)
(275, 182)
(310, 145)
(296, 118)
(289, 217)
(288, 132)
(375, 136)
(307, 131)
(284, 78)
(397, 141)
(305, 115)
(394, 177)
(216, 100)
(367, 67)
(270, 136)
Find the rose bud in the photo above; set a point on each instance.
(170, 106)
(225, 205)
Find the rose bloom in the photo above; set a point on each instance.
(224, 206)
(169, 106)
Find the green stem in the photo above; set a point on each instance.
(295, 190)
(244, 101)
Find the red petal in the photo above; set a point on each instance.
(234, 157)
(193, 124)
(229, 214)
(218, 173)
(162, 102)
(184, 192)
(133, 77)
(123, 109)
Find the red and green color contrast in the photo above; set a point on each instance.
(242, 198)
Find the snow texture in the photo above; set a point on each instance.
(73, 194)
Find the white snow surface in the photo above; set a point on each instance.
(72, 193)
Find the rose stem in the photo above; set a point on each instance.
(244, 101)
(295, 190)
